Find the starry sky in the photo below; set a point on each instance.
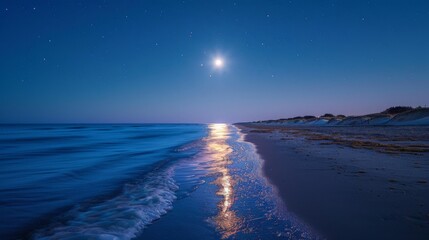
(152, 61)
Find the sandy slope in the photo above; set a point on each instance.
(418, 116)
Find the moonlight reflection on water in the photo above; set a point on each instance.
(226, 220)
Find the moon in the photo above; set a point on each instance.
(218, 62)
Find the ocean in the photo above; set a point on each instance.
(137, 181)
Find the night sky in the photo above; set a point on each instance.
(152, 61)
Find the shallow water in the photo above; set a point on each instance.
(137, 181)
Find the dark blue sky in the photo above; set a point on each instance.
(135, 61)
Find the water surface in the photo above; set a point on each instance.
(137, 181)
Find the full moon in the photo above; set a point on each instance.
(218, 62)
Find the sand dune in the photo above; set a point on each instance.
(395, 116)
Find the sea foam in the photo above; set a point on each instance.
(121, 217)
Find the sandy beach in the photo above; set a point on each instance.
(349, 183)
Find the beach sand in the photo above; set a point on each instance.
(345, 190)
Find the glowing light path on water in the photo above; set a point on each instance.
(226, 220)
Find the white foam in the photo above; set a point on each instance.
(121, 217)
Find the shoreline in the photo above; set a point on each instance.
(345, 192)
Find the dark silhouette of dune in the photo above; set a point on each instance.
(394, 116)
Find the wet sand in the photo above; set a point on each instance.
(345, 191)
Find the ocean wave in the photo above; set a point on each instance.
(121, 217)
(41, 139)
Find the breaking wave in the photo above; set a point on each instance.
(121, 217)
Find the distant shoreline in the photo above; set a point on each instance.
(394, 116)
